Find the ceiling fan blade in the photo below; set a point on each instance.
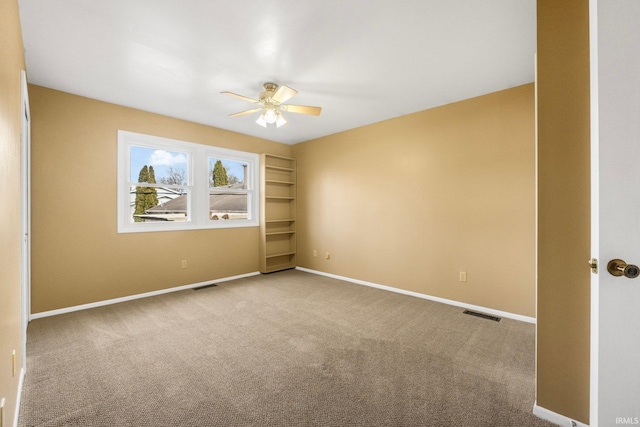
(283, 94)
(244, 98)
(303, 109)
(242, 113)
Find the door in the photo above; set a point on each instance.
(25, 209)
(615, 121)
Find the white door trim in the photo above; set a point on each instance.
(25, 209)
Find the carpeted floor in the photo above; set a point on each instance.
(285, 349)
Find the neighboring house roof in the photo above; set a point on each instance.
(164, 193)
(225, 202)
(160, 190)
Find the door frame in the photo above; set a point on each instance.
(25, 209)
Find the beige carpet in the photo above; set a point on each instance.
(285, 349)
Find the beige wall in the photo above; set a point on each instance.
(78, 257)
(411, 202)
(564, 198)
(11, 64)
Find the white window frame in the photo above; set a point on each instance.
(198, 182)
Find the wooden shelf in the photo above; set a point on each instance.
(280, 254)
(280, 233)
(280, 168)
(275, 156)
(273, 181)
(278, 200)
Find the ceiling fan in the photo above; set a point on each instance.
(272, 105)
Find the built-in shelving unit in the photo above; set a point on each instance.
(277, 213)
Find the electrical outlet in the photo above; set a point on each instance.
(463, 276)
(327, 255)
(184, 263)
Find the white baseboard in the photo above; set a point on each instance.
(18, 398)
(424, 296)
(138, 296)
(555, 418)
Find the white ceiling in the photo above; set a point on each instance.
(362, 61)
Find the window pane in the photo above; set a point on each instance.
(228, 206)
(227, 173)
(153, 204)
(158, 166)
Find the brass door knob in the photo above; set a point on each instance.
(618, 267)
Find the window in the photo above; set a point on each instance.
(165, 184)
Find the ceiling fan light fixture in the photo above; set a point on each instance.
(270, 116)
(270, 105)
(281, 120)
(261, 120)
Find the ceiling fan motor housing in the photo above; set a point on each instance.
(269, 90)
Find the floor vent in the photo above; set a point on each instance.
(484, 316)
(205, 287)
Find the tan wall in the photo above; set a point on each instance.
(564, 198)
(411, 202)
(11, 64)
(78, 257)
